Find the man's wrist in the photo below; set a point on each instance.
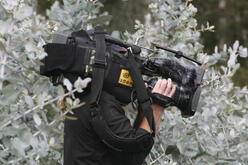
(156, 107)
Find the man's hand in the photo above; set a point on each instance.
(163, 87)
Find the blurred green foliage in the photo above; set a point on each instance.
(124, 14)
(228, 16)
(43, 5)
(230, 20)
(31, 128)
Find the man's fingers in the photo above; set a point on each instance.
(168, 87)
(157, 86)
(163, 86)
(172, 91)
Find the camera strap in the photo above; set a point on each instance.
(140, 88)
(99, 66)
(98, 122)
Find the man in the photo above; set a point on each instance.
(101, 133)
(82, 146)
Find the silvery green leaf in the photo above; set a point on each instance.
(28, 138)
(60, 90)
(9, 5)
(224, 48)
(68, 84)
(71, 117)
(115, 34)
(3, 154)
(232, 133)
(23, 12)
(232, 60)
(5, 26)
(76, 102)
(2, 47)
(19, 146)
(29, 100)
(11, 131)
(30, 47)
(219, 127)
(9, 95)
(235, 46)
(52, 141)
(192, 8)
(188, 146)
(80, 84)
(242, 52)
(216, 49)
(69, 101)
(31, 55)
(37, 119)
(221, 136)
(41, 55)
(27, 29)
(42, 98)
(205, 160)
(76, 105)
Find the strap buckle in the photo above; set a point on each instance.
(99, 63)
(99, 30)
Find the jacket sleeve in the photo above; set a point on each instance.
(127, 138)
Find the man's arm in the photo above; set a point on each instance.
(122, 136)
(163, 87)
(136, 142)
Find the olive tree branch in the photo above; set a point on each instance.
(36, 107)
(2, 71)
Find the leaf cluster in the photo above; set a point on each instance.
(217, 133)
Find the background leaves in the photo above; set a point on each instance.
(31, 124)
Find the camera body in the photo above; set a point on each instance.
(74, 55)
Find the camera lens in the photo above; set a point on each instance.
(185, 98)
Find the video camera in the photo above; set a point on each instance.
(73, 56)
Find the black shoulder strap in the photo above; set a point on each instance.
(98, 123)
(99, 66)
(142, 95)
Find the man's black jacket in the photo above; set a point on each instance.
(83, 147)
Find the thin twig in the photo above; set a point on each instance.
(2, 72)
(15, 59)
(137, 40)
(159, 157)
(21, 158)
(53, 122)
(22, 41)
(36, 107)
(38, 132)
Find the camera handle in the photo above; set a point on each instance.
(137, 49)
(178, 54)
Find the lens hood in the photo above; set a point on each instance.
(191, 105)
